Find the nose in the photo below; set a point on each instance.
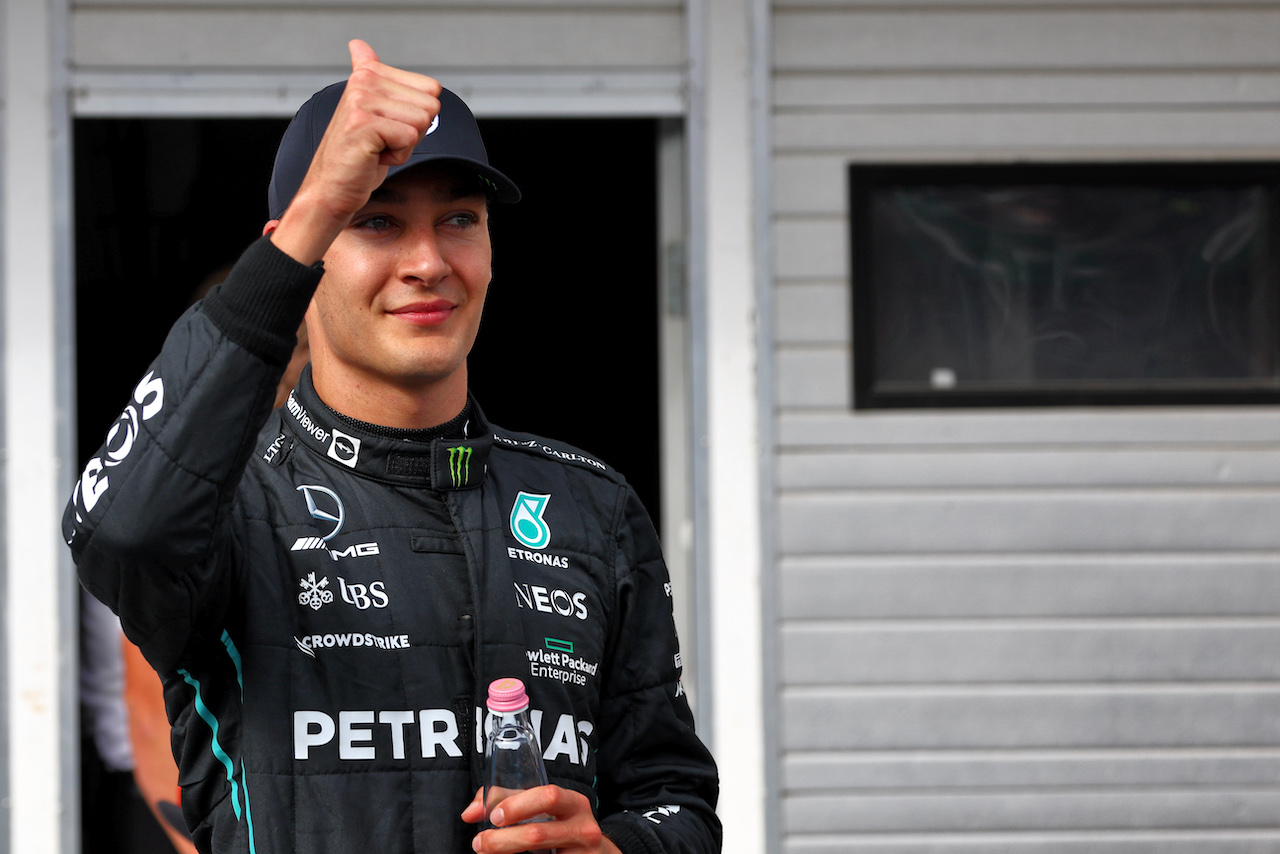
(422, 259)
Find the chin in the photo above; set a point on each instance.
(428, 372)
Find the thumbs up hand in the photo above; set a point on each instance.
(383, 113)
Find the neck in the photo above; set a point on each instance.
(402, 406)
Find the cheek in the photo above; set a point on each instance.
(317, 309)
(330, 317)
(479, 269)
(347, 288)
(478, 261)
(349, 271)
(478, 293)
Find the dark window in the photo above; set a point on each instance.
(1065, 284)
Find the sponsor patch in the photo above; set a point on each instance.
(550, 451)
(345, 449)
(310, 644)
(324, 505)
(527, 524)
(303, 417)
(551, 601)
(315, 594)
(559, 561)
(562, 667)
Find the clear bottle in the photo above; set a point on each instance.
(512, 756)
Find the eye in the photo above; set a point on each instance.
(375, 222)
(461, 220)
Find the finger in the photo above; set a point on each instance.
(370, 124)
(364, 58)
(361, 54)
(475, 810)
(578, 833)
(517, 807)
(540, 801)
(539, 836)
(370, 91)
(412, 79)
(393, 139)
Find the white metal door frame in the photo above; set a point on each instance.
(40, 732)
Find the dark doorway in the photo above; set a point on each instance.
(569, 344)
(161, 205)
(568, 347)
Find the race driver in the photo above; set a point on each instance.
(326, 590)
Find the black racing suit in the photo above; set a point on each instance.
(327, 602)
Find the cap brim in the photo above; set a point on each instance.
(504, 189)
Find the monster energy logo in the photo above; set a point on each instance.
(459, 465)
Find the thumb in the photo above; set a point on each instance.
(361, 54)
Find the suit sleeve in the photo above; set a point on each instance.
(658, 782)
(147, 520)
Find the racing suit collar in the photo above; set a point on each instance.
(442, 464)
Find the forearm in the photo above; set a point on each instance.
(143, 518)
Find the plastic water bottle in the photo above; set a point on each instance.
(512, 756)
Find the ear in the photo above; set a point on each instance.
(270, 227)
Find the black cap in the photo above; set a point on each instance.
(453, 137)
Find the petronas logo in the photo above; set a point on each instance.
(527, 524)
(459, 465)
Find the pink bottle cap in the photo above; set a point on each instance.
(507, 695)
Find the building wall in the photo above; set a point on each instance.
(1014, 630)
(226, 57)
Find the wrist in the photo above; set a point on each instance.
(306, 230)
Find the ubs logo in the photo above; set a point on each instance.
(345, 449)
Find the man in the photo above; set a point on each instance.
(326, 591)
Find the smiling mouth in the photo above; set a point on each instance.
(425, 313)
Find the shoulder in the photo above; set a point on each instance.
(537, 450)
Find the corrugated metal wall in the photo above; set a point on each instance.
(1015, 630)
(489, 34)
(217, 57)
